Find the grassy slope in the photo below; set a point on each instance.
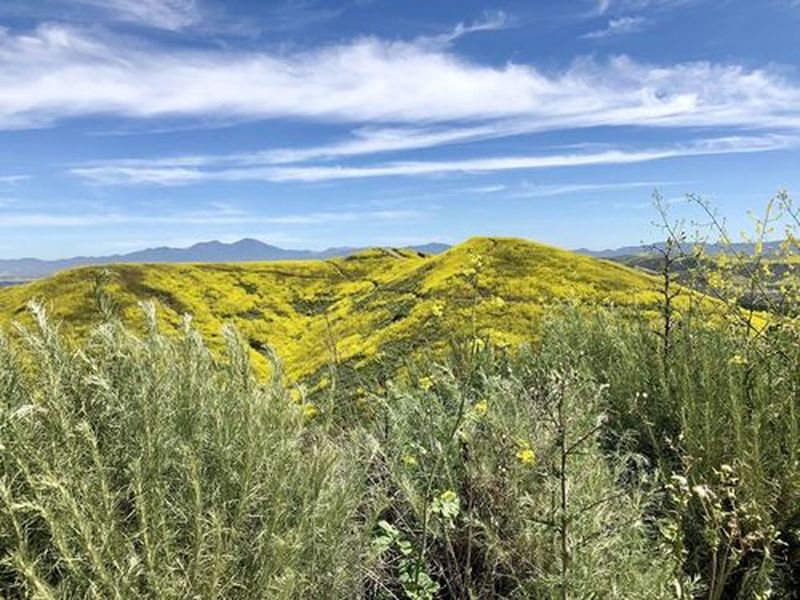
(362, 308)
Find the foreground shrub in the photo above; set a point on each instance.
(143, 468)
(497, 486)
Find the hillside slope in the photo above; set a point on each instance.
(20, 270)
(366, 310)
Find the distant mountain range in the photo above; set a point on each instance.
(24, 269)
(710, 249)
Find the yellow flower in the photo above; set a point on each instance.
(310, 411)
(410, 460)
(296, 396)
(448, 496)
(437, 310)
(481, 408)
(526, 456)
(426, 383)
(498, 302)
(737, 359)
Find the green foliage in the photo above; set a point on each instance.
(475, 467)
(141, 468)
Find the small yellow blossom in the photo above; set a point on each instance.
(448, 496)
(426, 383)
(737, 359)
(410, 460)
(437, 310)
(526, 456)
(481, 408)
(310, 411)
(498, 302)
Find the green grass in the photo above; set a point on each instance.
(139, 468)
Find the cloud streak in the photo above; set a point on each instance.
(545, 191)
(616, 6)
(13, 179)
(216, 218)
(170, 15)
(56, 72)
(131, 175)
(620, 26)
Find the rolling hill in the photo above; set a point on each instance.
(17, 270)
(362, 312)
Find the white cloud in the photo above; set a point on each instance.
(127, 175)
(490, 21)
(57, 72)
(482, 189)
(211, 217)
(363, 141)
(543, 191)
(605, 6)
(161, 14)
(12, 179)
(619, 26)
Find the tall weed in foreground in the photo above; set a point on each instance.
(143, 468)
(713, 395)
(497, 486)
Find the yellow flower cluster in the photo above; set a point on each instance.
(525, 453)
(310, 411)
(481, 408)
(410, 460)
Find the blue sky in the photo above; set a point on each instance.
(133, 123)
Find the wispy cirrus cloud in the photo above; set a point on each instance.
(221, 217)
(489, 21)
(544, 191)
(363, 141)
(127, 175)
(13, 179)
(602, 7)
(56, 72)
(620, 26)
(171, 15)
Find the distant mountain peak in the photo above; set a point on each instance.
(243, 250)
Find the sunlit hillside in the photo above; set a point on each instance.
(361, 311)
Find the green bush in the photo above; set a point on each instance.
(138, 468)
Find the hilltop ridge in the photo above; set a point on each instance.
(245, 250)
(364, 310)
